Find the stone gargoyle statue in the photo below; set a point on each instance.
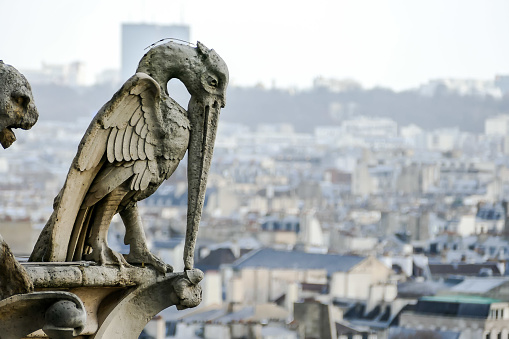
(17, 108)
(21, 309)
(133, 144)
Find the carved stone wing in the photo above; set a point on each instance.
(128, 137)
(123, 133)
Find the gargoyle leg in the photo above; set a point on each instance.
(135, 238)
(97, 239)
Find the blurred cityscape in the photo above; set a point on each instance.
(334, 212)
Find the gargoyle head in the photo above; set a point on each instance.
(17, 108)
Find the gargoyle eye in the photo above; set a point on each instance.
(212, 82)
(21, 100)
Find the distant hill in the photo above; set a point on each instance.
(304, 109)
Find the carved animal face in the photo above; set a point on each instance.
(214, 75)
(17, 108)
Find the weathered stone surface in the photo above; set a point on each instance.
(13, 277)
(128, 318)
(187, 293)
(64, 319)
(126, 298)
(134, 143)
(44, 276)
(17, 108)
(61, 313)
(82, 274)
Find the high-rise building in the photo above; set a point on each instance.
(137, 37)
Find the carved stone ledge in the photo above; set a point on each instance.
(87, 274)
(118, 302)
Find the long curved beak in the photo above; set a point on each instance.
(203, 116)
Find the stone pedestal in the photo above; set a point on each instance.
(81, 300)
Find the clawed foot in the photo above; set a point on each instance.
(147, 258)
(104, 255)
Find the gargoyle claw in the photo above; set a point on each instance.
(104, 255)
(148, 258)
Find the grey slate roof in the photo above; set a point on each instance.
(479, 285)
(216, 258)
(415, 289)
(277, 259)
(462, 268)
(399, 332)
(455, 306)
(240, 315)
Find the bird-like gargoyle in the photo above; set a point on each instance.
(133, 144)
(17, 108)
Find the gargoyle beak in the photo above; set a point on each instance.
(203, 116)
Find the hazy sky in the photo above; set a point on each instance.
(392, 43)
